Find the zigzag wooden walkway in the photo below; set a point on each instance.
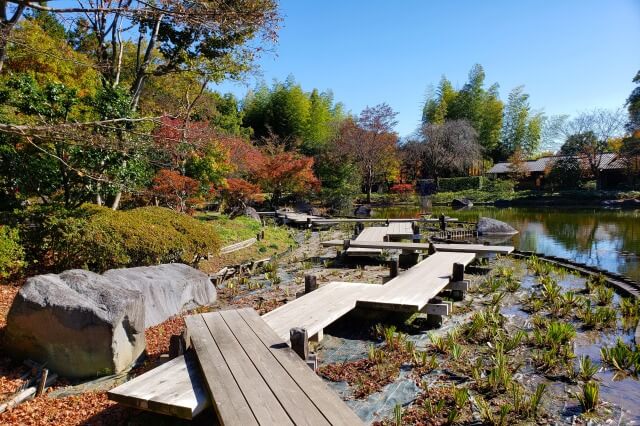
(251, 374)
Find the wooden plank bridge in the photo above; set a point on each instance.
(373, 245)
(241, 364)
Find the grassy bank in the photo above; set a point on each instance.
(276, 240)
(569, 197)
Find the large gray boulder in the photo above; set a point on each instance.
(488, 226)
(167, 289)
(78, 323)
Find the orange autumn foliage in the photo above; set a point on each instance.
(286, 172)
(178, 192)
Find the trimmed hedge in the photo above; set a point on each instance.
(98, 238)
(11, 252)
(460, 183)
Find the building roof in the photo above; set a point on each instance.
(608, 161)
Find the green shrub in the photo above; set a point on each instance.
(11, 252)
(461, 183)
(499, 185)
(98, 238)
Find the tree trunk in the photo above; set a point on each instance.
(141, 72)
(116, 201)
(6, 26)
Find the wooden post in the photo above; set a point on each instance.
(443, 223)
(310, 283)
(43, 382)
(309, 222)
(432, 248)
(176, 346)
(258, 238)
(299, 342)
(415, 227)
(393, 268)
(345, 244)
(458, 272)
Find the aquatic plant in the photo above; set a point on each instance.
(595, 281)
(461, 396)
(484, 325)
(526, 406)
(491, 285)
(589, 397)
(551, 291)
(397, 414)
(504, 272)
(586, 368)
(598, 318)
(456, 351)
(439, 343)
(433, 409)
(603, 295)
(453, 416)
(512, 342)
(554, 334)
(621, 356)
(422, 359)
(500, 375)
(496, 299)
(629, 307)
(534, 304)
(539, 266)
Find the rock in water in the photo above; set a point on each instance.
(488, 226)
(167, 289)
(458, 203)
(363, 211)
(78, 323)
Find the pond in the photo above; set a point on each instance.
(609, 239)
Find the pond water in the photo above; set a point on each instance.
(609, 239)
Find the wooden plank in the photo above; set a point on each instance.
(295, 402)
(413, 289)
(449, 248)
(174, 388)
(318, 309)
(228, 400)
(256, 392)
(372, 233)
(327, 401)
(400, 229)
(379, 220)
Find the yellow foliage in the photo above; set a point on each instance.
(50, 59)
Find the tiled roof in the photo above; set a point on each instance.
(608, 161)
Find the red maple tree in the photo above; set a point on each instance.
(176, 191)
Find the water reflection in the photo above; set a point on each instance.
(609, 239)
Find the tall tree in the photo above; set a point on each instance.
(212, 36)
(522, 128)
(371, 143)
(299, 119)
(478, 105)
(448, 148)
(633, 107)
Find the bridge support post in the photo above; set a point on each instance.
(310, 283)
(393, 268)
(299, 342)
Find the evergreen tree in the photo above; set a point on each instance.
(522, 128)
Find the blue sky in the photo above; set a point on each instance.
(571, 55)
